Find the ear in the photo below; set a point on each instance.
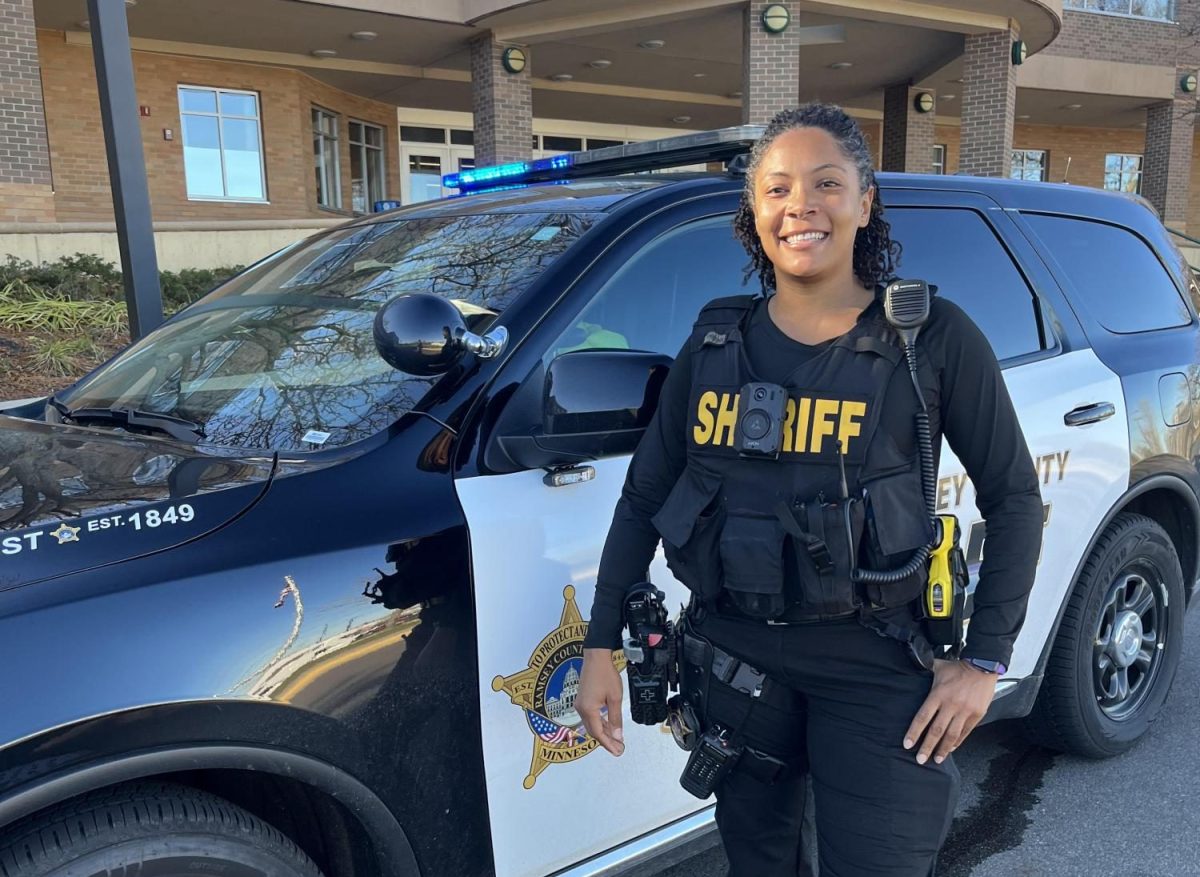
(868, 198)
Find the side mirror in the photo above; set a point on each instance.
(595, 403)
(423, 334)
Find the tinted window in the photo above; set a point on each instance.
(957, 251)
(653, 299)
(1114, 273)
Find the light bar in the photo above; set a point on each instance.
(720, 145)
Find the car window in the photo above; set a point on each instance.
(1116, 275)
(282, 357)
(653, 299)
(956, 250)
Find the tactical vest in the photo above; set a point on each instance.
(746, 525)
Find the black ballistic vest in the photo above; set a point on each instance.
(748, 525)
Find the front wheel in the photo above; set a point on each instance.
(150, 830)
(1118, 646)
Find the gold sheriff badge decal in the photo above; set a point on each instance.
(546, 691)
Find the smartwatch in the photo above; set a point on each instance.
(986, 666)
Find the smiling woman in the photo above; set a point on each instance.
(790, 472)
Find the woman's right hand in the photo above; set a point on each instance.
(598, 700)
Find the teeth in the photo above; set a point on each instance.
(807, 236)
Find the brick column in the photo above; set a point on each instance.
(989, 104)
(25, 193)
(1167, 162)
(770, 65)
(907, 133)
(502, 103)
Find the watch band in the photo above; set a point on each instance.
(986, 666)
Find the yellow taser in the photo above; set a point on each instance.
(939, 594)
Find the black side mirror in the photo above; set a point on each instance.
(424, 334)
(595, 403)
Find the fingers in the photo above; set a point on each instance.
(951, 739)
(921, 720)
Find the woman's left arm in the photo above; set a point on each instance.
(979, 422)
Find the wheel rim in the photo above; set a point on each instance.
(1129, 643)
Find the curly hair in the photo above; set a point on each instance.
(875, 253)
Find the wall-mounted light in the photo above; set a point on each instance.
(1020, 52)
(776, 18)
(923, 102)
(513, 59)
(1188, 83)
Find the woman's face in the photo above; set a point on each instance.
(808, 207)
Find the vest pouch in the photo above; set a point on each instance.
(824, 557)
(690, 524)
(752, 558)
(898, 525)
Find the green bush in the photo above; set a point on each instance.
(84, 277)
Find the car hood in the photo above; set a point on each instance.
(73, 498)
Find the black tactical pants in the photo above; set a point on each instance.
(878, 812)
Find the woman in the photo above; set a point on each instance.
(760, 539)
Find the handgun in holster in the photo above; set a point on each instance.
(946, 590)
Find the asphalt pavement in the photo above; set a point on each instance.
(1027, 812)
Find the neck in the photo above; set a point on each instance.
(821, 295)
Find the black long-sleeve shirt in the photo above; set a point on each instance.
(974, 412)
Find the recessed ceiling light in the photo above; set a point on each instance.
(131, 2)
(85, 24)
(363, 35)
(652, 44)
(600, 63)
(562, 77)
(735, 94)
(681, 120)
(841, 65)
(699, 75)
(956, 80)
(1023, 116)
(323, 53)
(1073, 107)
(947, 96)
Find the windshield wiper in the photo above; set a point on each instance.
(176, 427)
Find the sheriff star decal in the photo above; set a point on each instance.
(546, 689)
(65, 534)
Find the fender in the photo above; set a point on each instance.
(1018, 700)
(45, 770)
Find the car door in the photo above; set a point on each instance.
(535, 552)
(968, 247)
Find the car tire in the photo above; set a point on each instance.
(1118, 647)
(151, 830)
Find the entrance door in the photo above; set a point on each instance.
(423, 166)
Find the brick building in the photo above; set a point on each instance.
(262, 120)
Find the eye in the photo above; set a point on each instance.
(828, 183)
(776, 189)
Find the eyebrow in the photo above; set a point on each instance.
(822, 167)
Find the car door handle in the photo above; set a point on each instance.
(1089, 414)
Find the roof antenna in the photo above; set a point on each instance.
(1067, 169)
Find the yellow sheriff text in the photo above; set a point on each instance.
(808, 426)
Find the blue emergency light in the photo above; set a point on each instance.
(719, 145)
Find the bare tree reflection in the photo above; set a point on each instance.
(294, 366)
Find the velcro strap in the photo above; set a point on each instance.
(816, 547)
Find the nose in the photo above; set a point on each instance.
(799, 202)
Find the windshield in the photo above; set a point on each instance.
(282, 356)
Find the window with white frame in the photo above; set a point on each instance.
(366, 166)
(939, 158)
(1029, 164)
(222, 144)
(325, 158)
(1123, 172)
(1160, 10)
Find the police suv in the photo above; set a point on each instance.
(298, 583)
